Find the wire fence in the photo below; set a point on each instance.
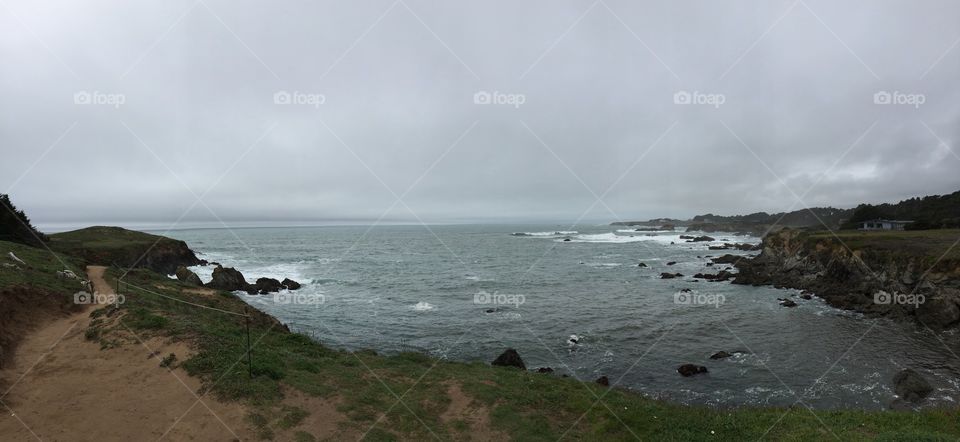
(245, 315)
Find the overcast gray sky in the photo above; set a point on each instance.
(127, 112)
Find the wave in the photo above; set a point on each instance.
(554, 233)
(423, 306)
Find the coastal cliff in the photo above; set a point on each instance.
(127, 248)
(900, 275)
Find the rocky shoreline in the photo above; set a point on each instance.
(891, 282)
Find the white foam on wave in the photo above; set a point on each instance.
(423, 306)
(553, 233)
(612, 237)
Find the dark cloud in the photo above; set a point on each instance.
(382, 100)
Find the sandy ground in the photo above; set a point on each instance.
(65, 388)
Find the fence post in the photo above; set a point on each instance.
(246, 317)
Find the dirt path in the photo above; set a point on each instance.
(65, 388)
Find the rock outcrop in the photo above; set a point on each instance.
(267, 285)
(911, 386)
(509, 358)
(229, 279)
(185, 275)
(874, 275)
(687, 370)
(290, 284)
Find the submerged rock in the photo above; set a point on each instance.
(720, 355)
(670, 275)
(911, 386)
(784, 302)
(723, 275)
(603, 380)
(509, 358)
(641, 265)
(687, 370)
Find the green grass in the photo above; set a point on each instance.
(523, 405)
(929, 246)
(109, 245)
(41, 269)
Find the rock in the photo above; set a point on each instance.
(566, 240)
(66, 274)
(911, 386)
(229, 279)
(544, 370)
(290, 284)
(509, 358)
(703, 238)
(670, 275)
(671, 263)
(806, 296)
(15, 259)
(603, 380)
(709, 264)
(940, 311)
(267, 285)
(203, 262)
(720, 355)
(784, 302)
(687, 237)
(641, 265)
(687, 370)
(185, 275)
(723, 275)
(727, 259)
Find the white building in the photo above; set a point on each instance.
(883, 224)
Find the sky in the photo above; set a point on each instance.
(313, 112)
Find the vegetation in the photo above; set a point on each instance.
(520, 404)
(15, 225)
(40, 269)
(929, 212)
(128, 248)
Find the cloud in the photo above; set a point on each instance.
(381, 97)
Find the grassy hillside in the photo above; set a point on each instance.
(115, 245)
(516, 404)
(928, 244)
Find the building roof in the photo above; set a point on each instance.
(892, 221)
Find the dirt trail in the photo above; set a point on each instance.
(65, 388)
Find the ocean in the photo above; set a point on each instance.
(574, 299)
